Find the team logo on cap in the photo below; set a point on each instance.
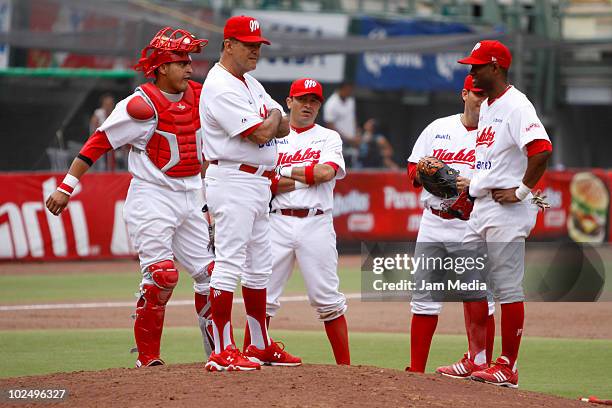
(254, 25)
(310, 83)
(477, 46)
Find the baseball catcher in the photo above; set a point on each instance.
(161, 124)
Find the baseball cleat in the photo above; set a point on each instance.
(461, 369)
(273, 355)
(150, 363)
(230, 359)
(500, 373)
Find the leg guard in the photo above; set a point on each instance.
(150, 311)
(203, 311)
(202, 304)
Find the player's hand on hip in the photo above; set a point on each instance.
(56, 202)
(462, 183)
(505, 195)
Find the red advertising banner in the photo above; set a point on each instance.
(372, 206)
(376, 206)
(92, 226)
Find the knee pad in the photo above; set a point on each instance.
(165, 277)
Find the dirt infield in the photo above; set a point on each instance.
(188, 385)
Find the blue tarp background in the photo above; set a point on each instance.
(418, 72)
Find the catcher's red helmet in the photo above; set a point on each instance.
(168, 45)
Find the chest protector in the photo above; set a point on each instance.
(176, 144)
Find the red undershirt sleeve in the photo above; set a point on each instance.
(96, 146)
(333, 165)
(411, 168)
(538, 146)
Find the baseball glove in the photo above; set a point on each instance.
(462, 207)
(438, 177)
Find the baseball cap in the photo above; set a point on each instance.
(468, 84)
(245, 29)
(305, 86)
(487, 51)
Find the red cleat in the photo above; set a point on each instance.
(230, 359)
(500, 373)
(462, 369)
(273, 355)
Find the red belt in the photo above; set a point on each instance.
(301, 213)
(441, 214)
(249, 169)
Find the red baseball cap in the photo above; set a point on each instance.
(245, 29)
(488, 51)
(468, 84)
(305, 86)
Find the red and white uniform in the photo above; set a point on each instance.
(231, 108)
(309, 240)
(450, 141)
(508, 131)
(163, 213)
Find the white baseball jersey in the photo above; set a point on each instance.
(448, 140)
(228, 107)
(342, 114)
(505, 127)
(123, 130)
(317, 145)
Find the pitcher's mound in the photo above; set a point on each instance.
(188, 385)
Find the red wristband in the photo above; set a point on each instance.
(65, 188)
(309, 174)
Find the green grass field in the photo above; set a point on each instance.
(570, 368)
(118, 286)
(565, 367)
(122, 284)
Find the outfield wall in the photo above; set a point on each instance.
(368, 206)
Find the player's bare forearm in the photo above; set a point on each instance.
(322, 173)
(268, 129)
(536, 166)
(285, 185)
(283, 127)
(57, 201)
